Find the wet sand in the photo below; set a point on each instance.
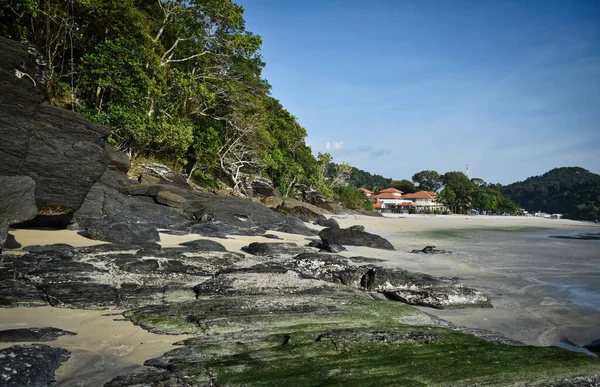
(520, 268)
(105, 346)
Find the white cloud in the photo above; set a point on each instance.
(336, 145)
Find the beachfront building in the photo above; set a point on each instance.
(424, 201)
(389, 198)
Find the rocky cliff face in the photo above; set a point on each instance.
(42, 141)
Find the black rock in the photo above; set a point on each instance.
(107, 275)
(304, 213)
(357, 227)
(397, 284)
(261, 187)
(109, 215)
(275, 249)
(441, 297)
(17, 202)
(431, 250)
(334, 248)
(329, 267)
(60, 247)
(32, 334)
(121, 232)
(271, 236)
(42, 141)
(11, 242)
(331, 222)
(30, 365)
(204, 245)
(340, 236)
(594, 346)
(315, 243)
(291, 227)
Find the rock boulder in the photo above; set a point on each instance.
(17, 202)
(353, 237)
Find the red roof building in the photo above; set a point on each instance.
(391, 190)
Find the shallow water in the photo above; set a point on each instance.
(543, 289)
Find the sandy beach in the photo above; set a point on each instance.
(511, 259)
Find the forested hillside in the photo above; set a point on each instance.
(372, 182)
(571, 191)
(178, 81)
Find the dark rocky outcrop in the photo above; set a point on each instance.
(32, 334)
(331, 223)
(431, 250)
(204, 245)
(262, 187)
(30, 365)
(17, 202)
(397, 284)
(41, 141)
(158, 174)
(353, 237)
(282, 249)
(116, 200)
(304, 213)
(107, 275)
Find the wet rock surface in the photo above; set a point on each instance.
(107, 275)
(32, 334)
(273, 325)
(353, 237)
(306, 214)
(331, 222)
(431, 250)
(279, 250)
(30, 365)
(396, 284)
(17, 202)
(121, 211)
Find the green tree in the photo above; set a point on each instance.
(428, 180)
(353, 198)
(404, 185)
(462, 189)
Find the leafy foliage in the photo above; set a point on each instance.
(428, 180)
(461, 194)
(571, 191)
(353, 198)
(369, 181)
(404, 185)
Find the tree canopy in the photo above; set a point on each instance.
(462, 194)
(428, 180)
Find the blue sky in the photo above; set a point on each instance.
(395, 87)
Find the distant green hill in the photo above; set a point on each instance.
(364, 179)
(571, 191)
